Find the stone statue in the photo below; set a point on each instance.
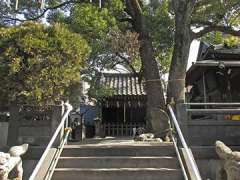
(230, 162)
(11, 162)
(140, 135)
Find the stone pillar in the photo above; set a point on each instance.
(57, 113)
(98, 127)
(13, 126)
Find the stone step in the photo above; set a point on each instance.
(86, 151)
(118, 162)
(117, 174)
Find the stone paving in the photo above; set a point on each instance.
(117, 141)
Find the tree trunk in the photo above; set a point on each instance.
(182, 42)
(153, 86)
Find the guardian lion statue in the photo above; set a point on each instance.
(230, 162)
(11, 162)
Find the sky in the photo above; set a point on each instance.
(193, 52)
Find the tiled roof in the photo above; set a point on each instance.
(122, 84)
(218, 52)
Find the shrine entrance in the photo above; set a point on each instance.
(126, 108)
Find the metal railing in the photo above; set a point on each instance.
(213, 104)
(195, 175)
(217, 108)
(63, 123)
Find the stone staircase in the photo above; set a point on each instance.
(118, 162)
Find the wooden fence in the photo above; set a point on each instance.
(121, 129)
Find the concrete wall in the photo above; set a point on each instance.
(28, 167)
(206, 128)
(31, 158)
(3, 134)
(34, 125)
(208, 168)
(208, 161)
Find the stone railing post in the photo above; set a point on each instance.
(98, 127)
(12, 162)
(56, 116)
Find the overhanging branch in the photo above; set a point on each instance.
(130, 20)
(209, 27)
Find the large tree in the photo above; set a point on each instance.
(136, 17)
(207, 16)
(153, 84)
(39, 64)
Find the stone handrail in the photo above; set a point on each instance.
(12, 162)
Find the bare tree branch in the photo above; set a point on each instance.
(126, 20)
(209, 27)
(45, 10)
